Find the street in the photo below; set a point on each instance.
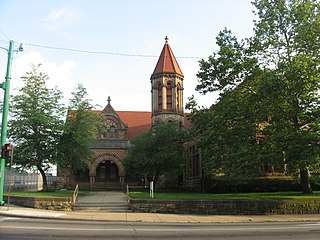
(25, 228)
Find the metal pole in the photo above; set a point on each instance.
(6, 87)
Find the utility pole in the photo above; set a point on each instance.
(6, 87)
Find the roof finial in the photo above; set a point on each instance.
(109, 100)
(166, 38)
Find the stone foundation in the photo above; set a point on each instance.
(226, 207)
(56, 204)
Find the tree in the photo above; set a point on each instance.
(157, 152)
(226, 135)
(291, 46)
(79, 132)
(279, 67)
(37, 121)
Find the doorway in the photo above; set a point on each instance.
(107, 171)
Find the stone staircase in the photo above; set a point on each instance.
(110, 201)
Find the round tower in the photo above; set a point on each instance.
(167, 88)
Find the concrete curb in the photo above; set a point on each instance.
(151, 217)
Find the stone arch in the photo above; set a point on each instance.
(101, 158)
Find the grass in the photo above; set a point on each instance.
(58, 193)
(227, 196)
(187, 196)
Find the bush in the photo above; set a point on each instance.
(240, 185)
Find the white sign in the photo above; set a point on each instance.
(151, 190)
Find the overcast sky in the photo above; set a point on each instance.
(116, 43)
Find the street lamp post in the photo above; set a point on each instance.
(6, 87)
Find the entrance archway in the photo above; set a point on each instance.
(107, 169)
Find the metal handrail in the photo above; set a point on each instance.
(75, 195)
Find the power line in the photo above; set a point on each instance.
(94, 52)
(4, 35)
(89, 51)
(99, 52)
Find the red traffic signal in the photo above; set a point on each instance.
(6, 152)
(7, 147)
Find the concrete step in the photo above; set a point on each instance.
(108, 207)
(112, 201)
(101, 203)
(104, 208)
(101, 209)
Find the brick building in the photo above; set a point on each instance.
(112, 142)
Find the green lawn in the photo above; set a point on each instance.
(58, 193)
(186, 196)
(227, 196)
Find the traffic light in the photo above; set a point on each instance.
(7, 152)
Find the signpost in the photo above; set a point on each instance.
(5, 110)
(151, 190)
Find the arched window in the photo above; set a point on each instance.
(113, 132)
(169, 96)
(159, 97)
(178, 96)
(104, 133)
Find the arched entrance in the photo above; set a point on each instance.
(106, 171)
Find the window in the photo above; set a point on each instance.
(195, 161)
(178, 96)
(169, 96)
(159, 97)
(103, 134)
(113, 132)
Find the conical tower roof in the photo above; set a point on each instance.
(167, 62)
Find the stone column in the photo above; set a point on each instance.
(164, 98)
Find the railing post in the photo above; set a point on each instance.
(75, 195)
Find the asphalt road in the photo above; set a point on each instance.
(23, 228)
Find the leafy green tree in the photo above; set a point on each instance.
(287, 45)
(157, 152)
(226, 135)
(79, 132)
(36, 122)
(279, 69)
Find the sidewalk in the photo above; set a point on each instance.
(102, 197)
(16, 211)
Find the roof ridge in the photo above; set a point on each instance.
(133, 111)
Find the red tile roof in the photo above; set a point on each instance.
(167, 62)
(137, 122)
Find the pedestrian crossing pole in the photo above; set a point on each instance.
(5, 110)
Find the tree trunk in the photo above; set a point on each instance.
(44, 179)
(305, 181)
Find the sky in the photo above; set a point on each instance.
(111, 47)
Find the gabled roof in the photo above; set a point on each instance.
(137, 122)
(167, 62)
(108, 110)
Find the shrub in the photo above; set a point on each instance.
(239, 185)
